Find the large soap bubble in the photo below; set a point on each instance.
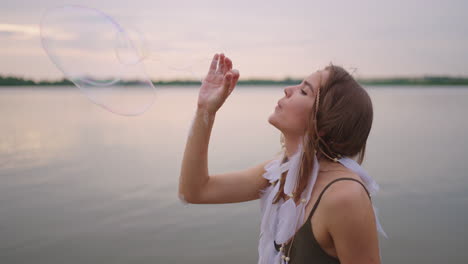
(99, 56)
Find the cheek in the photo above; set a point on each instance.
(301, 111)
(298, 114)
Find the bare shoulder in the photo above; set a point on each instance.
(351, 222)
(344, 191)
(346, 197)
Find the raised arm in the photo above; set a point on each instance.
(195, 183)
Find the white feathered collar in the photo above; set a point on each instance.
(281, 220)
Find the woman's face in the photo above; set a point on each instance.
(292, 112)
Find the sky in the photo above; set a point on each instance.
(264, 39)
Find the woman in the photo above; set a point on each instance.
(324, 121)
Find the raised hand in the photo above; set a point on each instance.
(218, 84)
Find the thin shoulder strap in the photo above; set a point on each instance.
(328, 185)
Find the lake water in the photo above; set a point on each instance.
(79, 184)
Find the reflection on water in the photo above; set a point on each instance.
(79, 184)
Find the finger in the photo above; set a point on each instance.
(227, 83)
(228, 64)
(214, 63)
(234, 80)
(221, 63)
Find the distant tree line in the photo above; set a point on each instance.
(18, 81)
(426, 80)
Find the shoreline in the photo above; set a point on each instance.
(394, 81)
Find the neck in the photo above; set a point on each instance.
(291, 144)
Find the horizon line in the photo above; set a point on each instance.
(258, 78)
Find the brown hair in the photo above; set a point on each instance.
(343, 112)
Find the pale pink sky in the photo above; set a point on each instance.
(266, 39)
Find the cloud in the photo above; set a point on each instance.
(31, 31)
(19, 31)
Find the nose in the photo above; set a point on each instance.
(287, 91)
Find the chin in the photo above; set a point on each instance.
(273, 121)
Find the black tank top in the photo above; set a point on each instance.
(305, 248)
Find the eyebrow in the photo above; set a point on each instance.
(310, 86)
